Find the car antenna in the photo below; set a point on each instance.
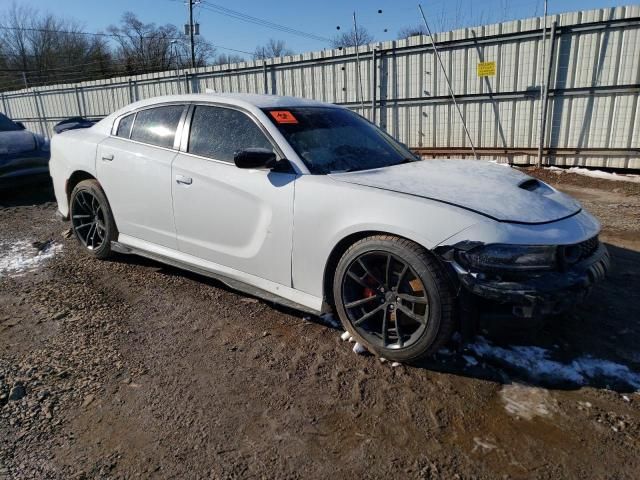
(444, 72)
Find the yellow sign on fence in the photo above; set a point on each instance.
(487, 69)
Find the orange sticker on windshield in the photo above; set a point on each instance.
(283, 116)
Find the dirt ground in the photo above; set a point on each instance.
(128, 368)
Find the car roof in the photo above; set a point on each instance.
(239, 99)
(248, 101)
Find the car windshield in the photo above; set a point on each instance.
(331, 140)
(7, 125)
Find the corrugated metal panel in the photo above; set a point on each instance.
(593, 101)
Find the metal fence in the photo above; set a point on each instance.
(592, 119)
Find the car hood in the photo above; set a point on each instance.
(18, 141)
(493, 190)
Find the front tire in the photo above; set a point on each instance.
(91, 219)
(392, 296)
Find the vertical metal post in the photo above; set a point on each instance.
(4, 104)
(359, 79)
(131, 92)
(24, 79)
(79, 105)
(373, 85)
(542, 100)
(39, 113)
(446, 77)
(265, 76)
(545, 95)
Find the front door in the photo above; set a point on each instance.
(236, 218)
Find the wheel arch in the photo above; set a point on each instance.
(338, 251)
(74, 179)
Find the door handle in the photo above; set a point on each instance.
(184, 180)
(107, 157)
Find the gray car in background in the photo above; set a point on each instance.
(24, 155)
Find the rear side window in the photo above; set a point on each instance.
(218, 133)
(157, 126)
(124, 127)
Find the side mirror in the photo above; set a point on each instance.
(254, 158)
(20, 125)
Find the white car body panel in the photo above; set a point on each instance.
(276, 231)
(490, 189)
(255, 207)
(135, 176)
(327, 211)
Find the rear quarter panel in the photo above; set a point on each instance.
(327, 211)
(71, 151)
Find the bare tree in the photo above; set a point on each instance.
(224, 59)
(352, 38)
(40, 49)
(148, 47)
(412, 31)
(273, 48)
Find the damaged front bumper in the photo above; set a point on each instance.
(535, 295)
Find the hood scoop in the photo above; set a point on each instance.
(496, 191)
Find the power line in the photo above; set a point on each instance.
(112, 35)
(215, 8)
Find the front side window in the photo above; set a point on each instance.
(330, 139)
(218, 133)
(124, 127)
(158, 125)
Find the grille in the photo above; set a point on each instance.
(571, 254)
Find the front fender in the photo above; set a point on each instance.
(327, 211)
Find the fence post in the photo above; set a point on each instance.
(80, 113)
(186, 82)
(133, 91)
(4, 105)
(265, 78)
(39, 112)
(373, 85)
(545, 97)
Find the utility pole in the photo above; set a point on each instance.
(446, 77)
(193, 47)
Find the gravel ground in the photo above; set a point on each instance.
(128, 368)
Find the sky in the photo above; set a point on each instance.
(321, 17)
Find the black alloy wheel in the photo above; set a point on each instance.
(392, 296)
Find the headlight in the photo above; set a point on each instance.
(509, 257)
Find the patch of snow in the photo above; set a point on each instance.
(360, 349)
(396, 364)
(483, 444)
(537, 362)
(626, 398)
(616, 177)
(527, 402)
(22, 256)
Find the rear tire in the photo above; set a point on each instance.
(91, 219)
(392, 296)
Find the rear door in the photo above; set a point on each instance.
(134, 169)
(237, 218)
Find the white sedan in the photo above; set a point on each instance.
(311, 205)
